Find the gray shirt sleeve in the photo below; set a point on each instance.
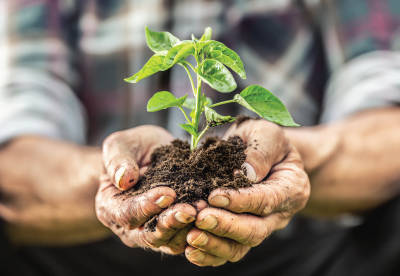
(368, 81)
(35, 103)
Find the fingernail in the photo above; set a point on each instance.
(209, 223)
(220, 201)
(201, 240)
(249, 172)
(184, 218)
(164, 201)
(196, 255)
(118, 176)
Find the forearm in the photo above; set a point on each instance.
(353, 165)
(49, 187)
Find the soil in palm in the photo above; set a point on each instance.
(194, 175)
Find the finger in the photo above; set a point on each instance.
(125, 151)
(120, 165)
(200, 205)
(169, 223)
(247, 229)
(266, 146)
(126, 211)
(260, 199)
(178, 243)
(227, 249)
(201, 258)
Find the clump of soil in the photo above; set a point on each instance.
(194, 175)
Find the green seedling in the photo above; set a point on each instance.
(211, 58)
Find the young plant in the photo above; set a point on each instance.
(211, 57)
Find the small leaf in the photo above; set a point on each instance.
(206, 101)
(265, 104)
(160, 41)
(184, 53)
(177, 53)
(134, 78)
(191, 102)
(215, 74)
(194, 38)
(215, 119)
(193, 113)
(189, 128)
(211, 44)
(207, 34)
(163, 100)
(151, 67)
(202, 45)
(229, 58)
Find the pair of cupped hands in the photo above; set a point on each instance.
(210, 233)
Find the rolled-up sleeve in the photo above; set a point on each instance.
(38, 77)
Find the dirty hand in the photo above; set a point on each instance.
(244, 218)
(126, 155)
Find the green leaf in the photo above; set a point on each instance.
(207, 34)
(193, 113)
(160, 41)
(191, 102)
(229, 58)
(177, 53)
(265, 104)
(205, 101)
(151, 67)
(202, 45)
(215, 74)
(215, 119)
(189, 128)
(209, 45)
(163, 100)
(194, 38)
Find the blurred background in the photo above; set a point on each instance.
(62, 65)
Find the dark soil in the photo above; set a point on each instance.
(193, 176)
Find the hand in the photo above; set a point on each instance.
(250, 215)
(126, 155)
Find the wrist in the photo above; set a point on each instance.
(316, 145)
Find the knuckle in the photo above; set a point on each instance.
(227, 229)
(255, 236)
(112, 138)
(176, 249)
(149, 240)
(236, 253)
(124, 237)
(260, 204)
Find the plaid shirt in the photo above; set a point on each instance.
(62, 63)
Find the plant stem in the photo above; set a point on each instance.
(190, 77)
(200, 135)
(188, 63)
(197, 113)
(184, 113)
(221, 103)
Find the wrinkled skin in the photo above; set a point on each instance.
(125, 216)
(242, 219)
(247, 217)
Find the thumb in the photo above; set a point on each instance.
(123, 171)
(257, 166)
(119, 163)
(266, 146)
